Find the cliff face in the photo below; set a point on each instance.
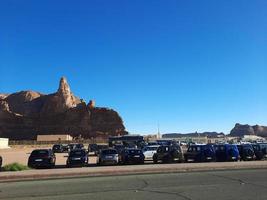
(239, 130)
(26, 114)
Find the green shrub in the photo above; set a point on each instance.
(15, 167)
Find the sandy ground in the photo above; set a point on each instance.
(21, 155)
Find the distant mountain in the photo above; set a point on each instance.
(177, 135)
(25, 114)
(240, 130)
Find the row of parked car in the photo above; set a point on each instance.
(165, 153)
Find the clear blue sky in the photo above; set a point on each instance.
(189, 65)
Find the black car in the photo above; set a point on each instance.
(42, 158)
(57, 148)
(168, 154)
(260, 150)
(108, 156)
(77, 157)
(132, 156)
(200, 153)
(246, 152)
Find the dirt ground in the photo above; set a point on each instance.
(21, 154)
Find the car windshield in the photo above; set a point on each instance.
(133, 151)
(39, 153)
(220, 148)
(79, 145)
(77, 153)
(256, 147)
(151, 148)
(247, 147)
(109, 151)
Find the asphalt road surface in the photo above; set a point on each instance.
(215, 185)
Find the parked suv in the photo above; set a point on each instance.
(132, 156)
(260, 150)
(77, 157)
(246, 152)
(226, 152)
(108, 156)
(200, 153)
(42, 158)
(168, 154)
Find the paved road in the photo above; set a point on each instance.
(215, 185)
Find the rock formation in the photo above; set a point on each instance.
(240, 130)
(25, 114)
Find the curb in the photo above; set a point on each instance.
(31, 175)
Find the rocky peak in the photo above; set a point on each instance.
(64, 88)
(3, 96)
(60, 101)
(4, 106)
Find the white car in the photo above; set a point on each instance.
(149, 151)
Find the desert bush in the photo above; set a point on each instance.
(15, 167)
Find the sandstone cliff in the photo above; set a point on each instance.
(25, 114)
(239, 130)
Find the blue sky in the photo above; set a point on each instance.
(187, 65)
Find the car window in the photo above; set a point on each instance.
(40, 153)
(77, 153)
(109, 151)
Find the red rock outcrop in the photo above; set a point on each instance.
(24, 115)
(240, 130)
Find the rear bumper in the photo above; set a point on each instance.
(40, 164)
(108, 162)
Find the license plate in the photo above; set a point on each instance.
(209, 158)
(233, 157)
(38, 160)
(109, 156)
(249, 157)
(76, 158)
(190, 160)
(137, 156)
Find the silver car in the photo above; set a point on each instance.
(149, 151)
(108, 157)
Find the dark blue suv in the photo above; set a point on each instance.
(246, 152)
(200, 153)
(226, 152)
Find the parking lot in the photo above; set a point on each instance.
(21, 154)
